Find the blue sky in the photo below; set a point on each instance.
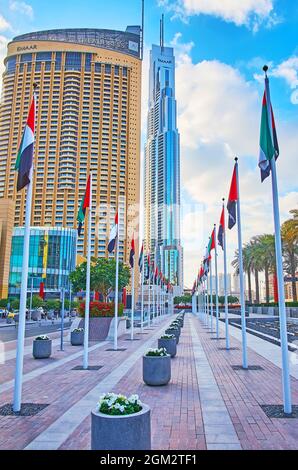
(221, 46)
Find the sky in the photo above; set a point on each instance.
(221, 47)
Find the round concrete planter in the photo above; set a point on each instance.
(170, 331)
(156, 370)
(42, 349)
(169, 344)
(77, 338)
(131, 432)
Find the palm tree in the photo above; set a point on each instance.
(246, 266)
(264, 250)
(289, 232)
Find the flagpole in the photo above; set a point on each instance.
(216, 285)
(149, 295)
(142, 297)
(116, 289)
(88, 276)
(207, 294)
(211, 295)
(279, 268)
(132, 301)
(17, 400)
(226, 284)
(241, 275)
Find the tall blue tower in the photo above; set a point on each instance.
(162, 168)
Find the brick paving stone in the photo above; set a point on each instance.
(177, 417)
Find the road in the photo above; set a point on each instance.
(10, 333)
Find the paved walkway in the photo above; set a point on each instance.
(207, 404)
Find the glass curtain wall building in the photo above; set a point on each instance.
(52, 256)
(162, 168)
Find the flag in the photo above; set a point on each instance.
(85, 204)
(156, 276)
(233, 198)
(211, 245)
(148, 267)
(24, 159)
(141, 258)
(113, 235)
(132, 253)
(41, 290)
(268, 140)
(221, 229)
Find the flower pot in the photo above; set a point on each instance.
(131, 432)
(42, 349)
(170, 331)
(169, 344)
(156, 370)
(77, 338)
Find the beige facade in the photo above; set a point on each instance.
(6, 228)
(88, 120)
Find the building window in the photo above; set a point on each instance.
(73, 61)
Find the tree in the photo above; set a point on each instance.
(264, 251)
(289, 232)
(36, 302)
(247, 266)
(3, 303)
(103, 276)
(52, 304)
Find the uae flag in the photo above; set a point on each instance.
(148, 267)
(85, 204)
(156, 276)
(141, 258)
(233, 198)
(113, 236)
(211, 245)
(132, 253)
(206, 262)
(268, 140)
(24, 159)
(221, 229)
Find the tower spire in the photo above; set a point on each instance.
(162, 31)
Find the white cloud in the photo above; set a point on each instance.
(286, 70)
(219, 118)
(4, 25)
(250, 13)
(21, 7)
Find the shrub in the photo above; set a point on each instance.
(168, 337)
(78, 330)
(101, 310)
(42, 338)
(119, 405)
(156, 352)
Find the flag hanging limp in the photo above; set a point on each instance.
(85, 204)
(268, 141)
(233, 198)
(113, 236)
(24, 159)
(141, 258)
(221, 229)
(132, 253)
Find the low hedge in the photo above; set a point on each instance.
(101, 310)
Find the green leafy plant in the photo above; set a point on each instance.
(162, 352)
(42, 338)
(119, 405)
(101, 310)
(168, 337)
(78, 330)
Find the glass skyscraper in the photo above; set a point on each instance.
(162, 168)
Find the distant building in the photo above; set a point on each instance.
(162, 168)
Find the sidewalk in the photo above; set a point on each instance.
(207, 404)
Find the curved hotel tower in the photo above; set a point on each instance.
(162, 168)
(88, 119)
